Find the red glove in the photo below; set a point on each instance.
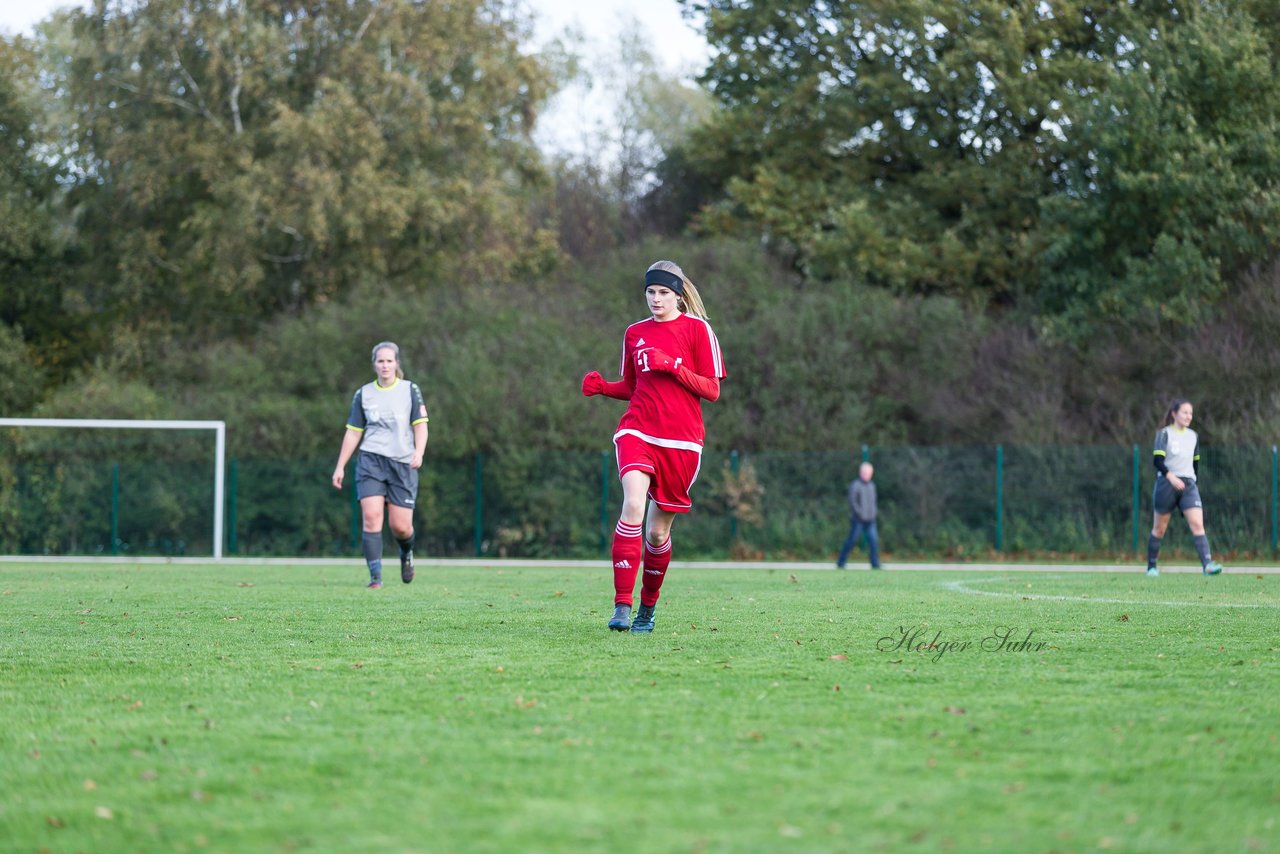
(592, 384)
(654, 359)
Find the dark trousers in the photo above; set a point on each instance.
(857, 528)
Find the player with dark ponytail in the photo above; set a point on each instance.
(1177, 462)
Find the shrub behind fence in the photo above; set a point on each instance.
(935, 502)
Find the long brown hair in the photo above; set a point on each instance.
(690, 302)
(1173, 410)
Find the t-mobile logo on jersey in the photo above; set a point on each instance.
(642, 360)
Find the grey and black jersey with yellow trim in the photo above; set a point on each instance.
(1180, 448)
(387, 417)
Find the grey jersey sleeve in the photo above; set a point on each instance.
(356, 417)
(417, 408)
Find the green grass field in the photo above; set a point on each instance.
(286, 708)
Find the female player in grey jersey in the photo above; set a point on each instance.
(388, 423)
(1177, 459)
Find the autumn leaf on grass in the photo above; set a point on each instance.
(522, 703)
(840, 656)
(954, 710)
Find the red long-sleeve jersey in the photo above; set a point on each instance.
(666, 408)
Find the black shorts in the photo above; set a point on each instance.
(1165, 499)
(379, 475)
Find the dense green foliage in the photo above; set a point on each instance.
(229, 162)
(1081, 160)
(34, 334)
(190, 707)
(213, 210)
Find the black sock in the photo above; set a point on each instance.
(406, 545)
(1202, 548)
(372, 545)
(1153, 549)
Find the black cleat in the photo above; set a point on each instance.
(621, 619)
(643, 623)
(406, 567)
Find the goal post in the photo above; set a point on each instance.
(220, 449)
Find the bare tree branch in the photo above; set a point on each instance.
(164, 98)
(195, 87)
(235, 95)
(364, 26)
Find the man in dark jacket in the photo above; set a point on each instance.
(862, 506)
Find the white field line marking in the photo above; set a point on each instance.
(963, 587)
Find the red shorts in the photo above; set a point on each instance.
(673, 470)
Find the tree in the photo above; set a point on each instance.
(1171, 186)
(40, 338)
(979, 147)
(612, 193)
(238, 160)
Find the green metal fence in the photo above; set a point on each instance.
(935, 502)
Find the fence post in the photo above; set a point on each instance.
(866, 454)
(999, 497)
(1137, 499)
(1275, 496)
(115, 508)
(231, 507)
(479, 514)
(604, 502)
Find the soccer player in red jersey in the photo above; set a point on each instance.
(671, 362)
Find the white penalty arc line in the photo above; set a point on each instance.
(963, 587)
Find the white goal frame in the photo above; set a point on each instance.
(220, 452)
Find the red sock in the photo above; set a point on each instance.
(656, 561)
(626, 561)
